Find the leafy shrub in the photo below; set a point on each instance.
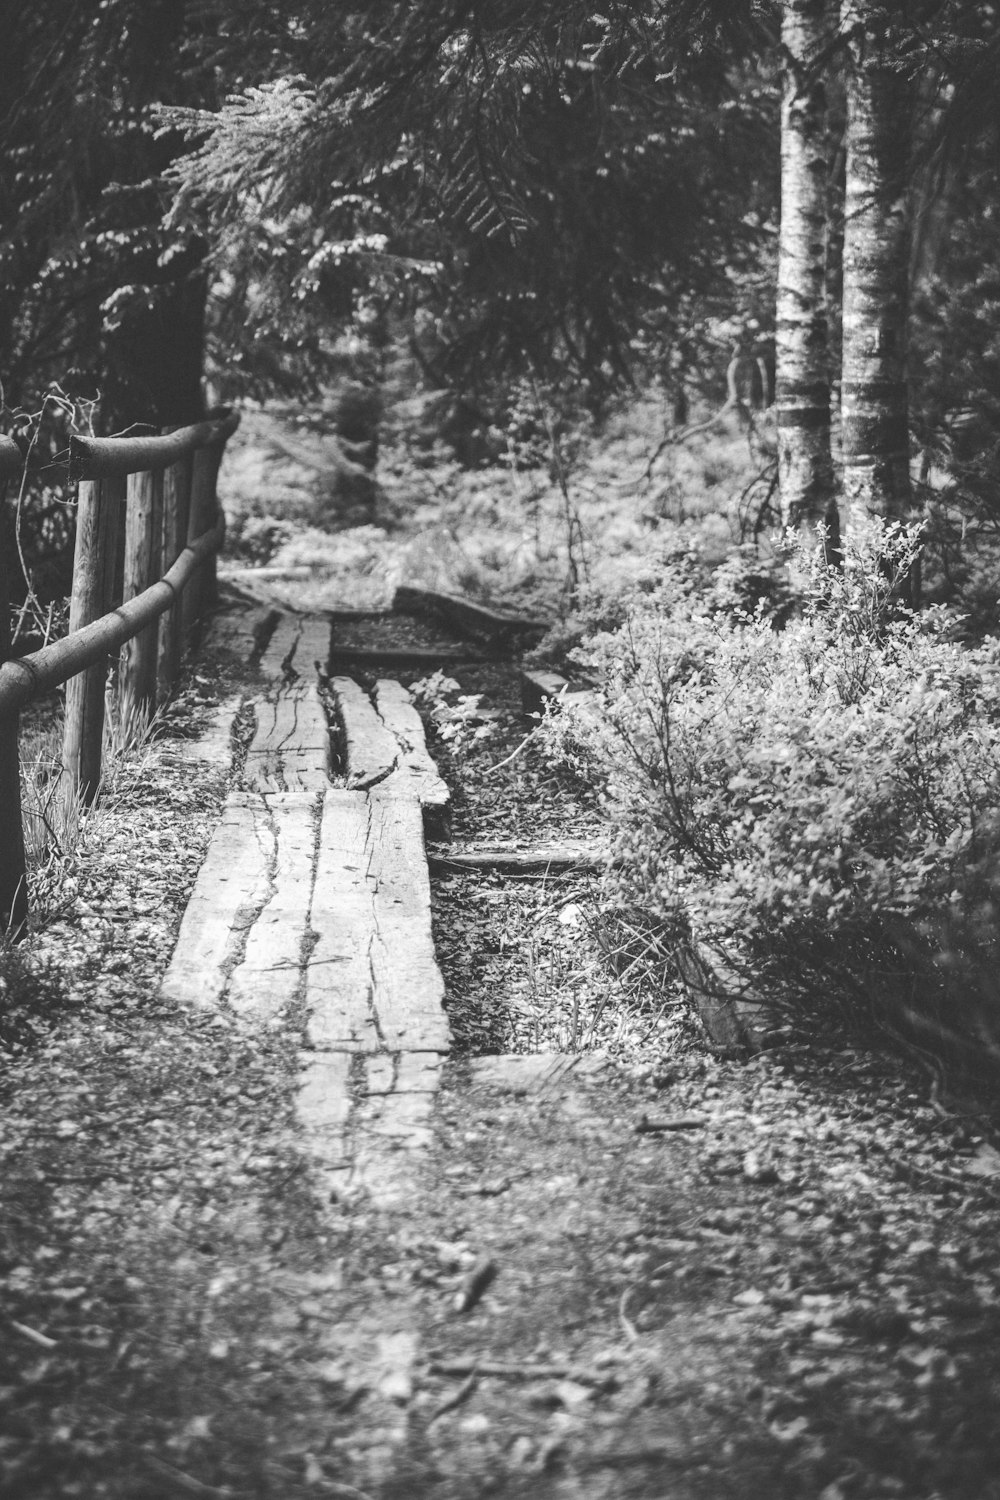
(812, 811)
(256, 539)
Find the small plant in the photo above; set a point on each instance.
(256, 539)
(458, 722)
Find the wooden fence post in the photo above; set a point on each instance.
(94, 558)
(13, 870)
(176, 508)
(201, 593)
(143, 521)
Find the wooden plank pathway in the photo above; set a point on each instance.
(312, 908)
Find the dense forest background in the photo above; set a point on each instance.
(532, 219)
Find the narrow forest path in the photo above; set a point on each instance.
(319, 1192)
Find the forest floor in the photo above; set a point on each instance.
(629, 1268)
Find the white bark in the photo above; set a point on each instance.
(876, 266)
(805, 468)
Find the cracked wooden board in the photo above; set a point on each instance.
(409, 988)
(372, 980)
(290, 748)
(231, 888)
(268, 976)
(298, 647)
(370, 748)
(338, 972)
(384, 742)
(415, 770)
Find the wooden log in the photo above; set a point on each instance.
(176, 510)
(97, 528)
(107, 458)
(13, 867)
(27, 677)
(495, 626)
(143, 550)
(580, 858)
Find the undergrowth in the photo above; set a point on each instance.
(59, 828)
(805, 803)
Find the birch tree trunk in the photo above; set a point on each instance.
(874, 405)
(805, 466)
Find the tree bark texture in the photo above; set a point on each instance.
(97, 529)
(874, 405)
(805, 465)
(13, 870)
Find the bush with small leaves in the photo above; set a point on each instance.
(813, 810)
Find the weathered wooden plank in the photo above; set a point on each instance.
(338, 969)
(415, 770)
(371, 751)
(312, 652)
(267, 977)
(384, 742)
(290, 750)
(372, 981)
(408, 987)
(230, 890)
(279, 652)
(298, 647)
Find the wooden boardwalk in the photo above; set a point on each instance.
(312, 909)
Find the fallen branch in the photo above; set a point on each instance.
(510, 861)
(671, 1122)
(461, 1395)
(501, 1370)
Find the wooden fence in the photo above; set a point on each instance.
(161, 566)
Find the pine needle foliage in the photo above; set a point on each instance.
(541, 178)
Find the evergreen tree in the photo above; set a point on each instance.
(549, 183)
(93, 294)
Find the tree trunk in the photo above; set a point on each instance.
(876, 270)
(805, 466)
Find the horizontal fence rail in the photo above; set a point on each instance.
(110, 458)
(23, 678)
(164, 486)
